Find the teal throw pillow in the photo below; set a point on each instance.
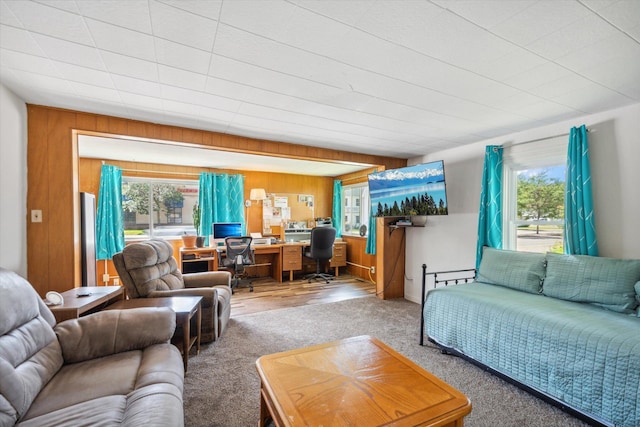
(605, 282)
(523, 271)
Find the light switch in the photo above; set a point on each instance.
(36, 215)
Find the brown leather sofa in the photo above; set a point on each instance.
(149, 270)
(114, 367)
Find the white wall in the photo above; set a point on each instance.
(449, 242)
(13, 182)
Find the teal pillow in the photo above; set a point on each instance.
(605, 282)
(523, 271)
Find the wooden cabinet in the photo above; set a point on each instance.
(291, 259)
(339, 257)
(390, 258)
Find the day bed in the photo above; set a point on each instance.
(562, 327)
(149, 270)
(109, 368)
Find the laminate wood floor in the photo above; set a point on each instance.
(270, 295)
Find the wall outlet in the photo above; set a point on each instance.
(105, 278)
(116, 282)
(373, 270)
(36, 215)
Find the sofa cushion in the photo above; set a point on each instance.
(605, 282)
(523, 271)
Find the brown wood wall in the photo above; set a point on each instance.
(54, 181)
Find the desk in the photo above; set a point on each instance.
(282, 257)
(74, 306)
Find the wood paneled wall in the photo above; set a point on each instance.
(53, 181)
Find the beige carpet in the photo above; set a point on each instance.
(222, 386)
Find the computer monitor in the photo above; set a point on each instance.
(222, 230)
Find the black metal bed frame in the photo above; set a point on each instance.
(464, 276)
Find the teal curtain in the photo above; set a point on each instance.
(221, 199)
(336, 213)
(110, 225)
(579, 223)
(371, 238)
(490, 214)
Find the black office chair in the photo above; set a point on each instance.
(238, 254)
(321, 249)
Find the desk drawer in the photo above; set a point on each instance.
(291, 258)
(339, 256)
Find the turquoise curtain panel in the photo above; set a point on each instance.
(221, 199)
(110, 224)
(336, 212)
(490, 214)
(371, 238)
(579, 224)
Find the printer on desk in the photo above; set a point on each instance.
(257, 239)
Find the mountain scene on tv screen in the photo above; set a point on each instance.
(414, 190)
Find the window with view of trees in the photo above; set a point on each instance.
(534, 186)
(158, 208)
(355, 208)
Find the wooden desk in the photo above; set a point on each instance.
(282, 257)
(357, 381)
(185, 308)
(74, 306)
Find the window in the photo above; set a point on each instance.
(355, 208)
(534, 175)
(158, 207)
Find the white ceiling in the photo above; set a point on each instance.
(386, 77)
(164, 152)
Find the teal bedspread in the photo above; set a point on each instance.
(580, 354)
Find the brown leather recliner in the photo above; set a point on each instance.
(148, 269)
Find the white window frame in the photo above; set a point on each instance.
(365, 208)
(152, 233)
(530, 155)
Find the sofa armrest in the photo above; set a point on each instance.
(114, 331)
(209, 295)
(207, 279)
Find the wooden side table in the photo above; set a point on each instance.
(75, 306)
(185, 308)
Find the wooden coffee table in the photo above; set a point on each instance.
(357, 381)
(185, 308)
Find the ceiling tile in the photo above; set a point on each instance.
(137, 100)
(96, 92)
(539, 20)
(75, 73)
(182, 27)
(623, 14)
(208, 9)
(19, 40)
(131, 14)
(21, 61)
(7, 17)
(121, 40)
(67, 5)
(180, 56)
(181, 78)
(486, 14)
(50, 21)
(136, 86)
(583, 33)
(72, 53)
(129, 66)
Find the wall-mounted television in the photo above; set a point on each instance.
(222, 230)
(409, 191)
